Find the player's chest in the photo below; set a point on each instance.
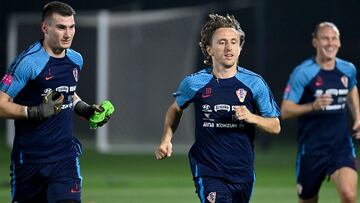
(331, 82)
(224, 95)
(56, 75)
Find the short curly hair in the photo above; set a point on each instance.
(215, 22)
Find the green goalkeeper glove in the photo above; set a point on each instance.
(95, 114)
(99, 118)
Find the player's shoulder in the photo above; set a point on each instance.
(346, 67)
(197, 80)
(32, 53)
(75, 56)
(341, 63)
(250, 78)
(201, 75)
(33, 56)
(306, 68)
(244, 72)
(306, 64)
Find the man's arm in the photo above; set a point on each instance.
(353, 103)
(289, 109)
(51, 104)
(83, 109)
(9, 109)
(268, 125)
(172, 120)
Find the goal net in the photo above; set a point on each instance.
(136, 60)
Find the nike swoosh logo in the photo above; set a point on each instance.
(48, 77)
(318, 84)
(74, 190)
(205, 95)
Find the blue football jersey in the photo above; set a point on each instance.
(224, 146)
(29, 77)
(320, 132)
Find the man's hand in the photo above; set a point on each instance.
(97, 115)
(50, 105)
(101, 114)
(356, 129)
(243, 114)
(322, 101)
(164, 150)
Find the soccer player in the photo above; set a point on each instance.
(39, 92)
(230, 102)
(318, 92)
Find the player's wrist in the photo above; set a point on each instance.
(83, 109)
(26, 112)
(32, 113)
(76, 101)
(166, 138)
(312, 104)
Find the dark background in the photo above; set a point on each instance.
(278, 33)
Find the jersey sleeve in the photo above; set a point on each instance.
(16, 78)
(265, 100)
(350, 71)
(295, 86)
(76, 57)
(353, 80)
(184, 94)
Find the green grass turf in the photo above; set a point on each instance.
(142, 179)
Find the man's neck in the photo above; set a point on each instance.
(326, 64)
(54, 52)
(224, 72)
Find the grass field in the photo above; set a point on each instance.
(142, 179)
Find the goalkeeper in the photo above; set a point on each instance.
(38, 92)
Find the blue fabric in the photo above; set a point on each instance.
(312, 170)
(218, 190)
(46, 182)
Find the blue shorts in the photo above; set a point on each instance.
(313, 169)
(46, 182)
(212, 189)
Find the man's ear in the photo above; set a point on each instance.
(208, 50)
(44, 27)
(314, 42)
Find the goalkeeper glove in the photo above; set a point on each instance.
(51, 104)
(99, 118)
(97, 115)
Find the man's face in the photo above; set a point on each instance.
(225, 47)
(327, 43)
(59, 31)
